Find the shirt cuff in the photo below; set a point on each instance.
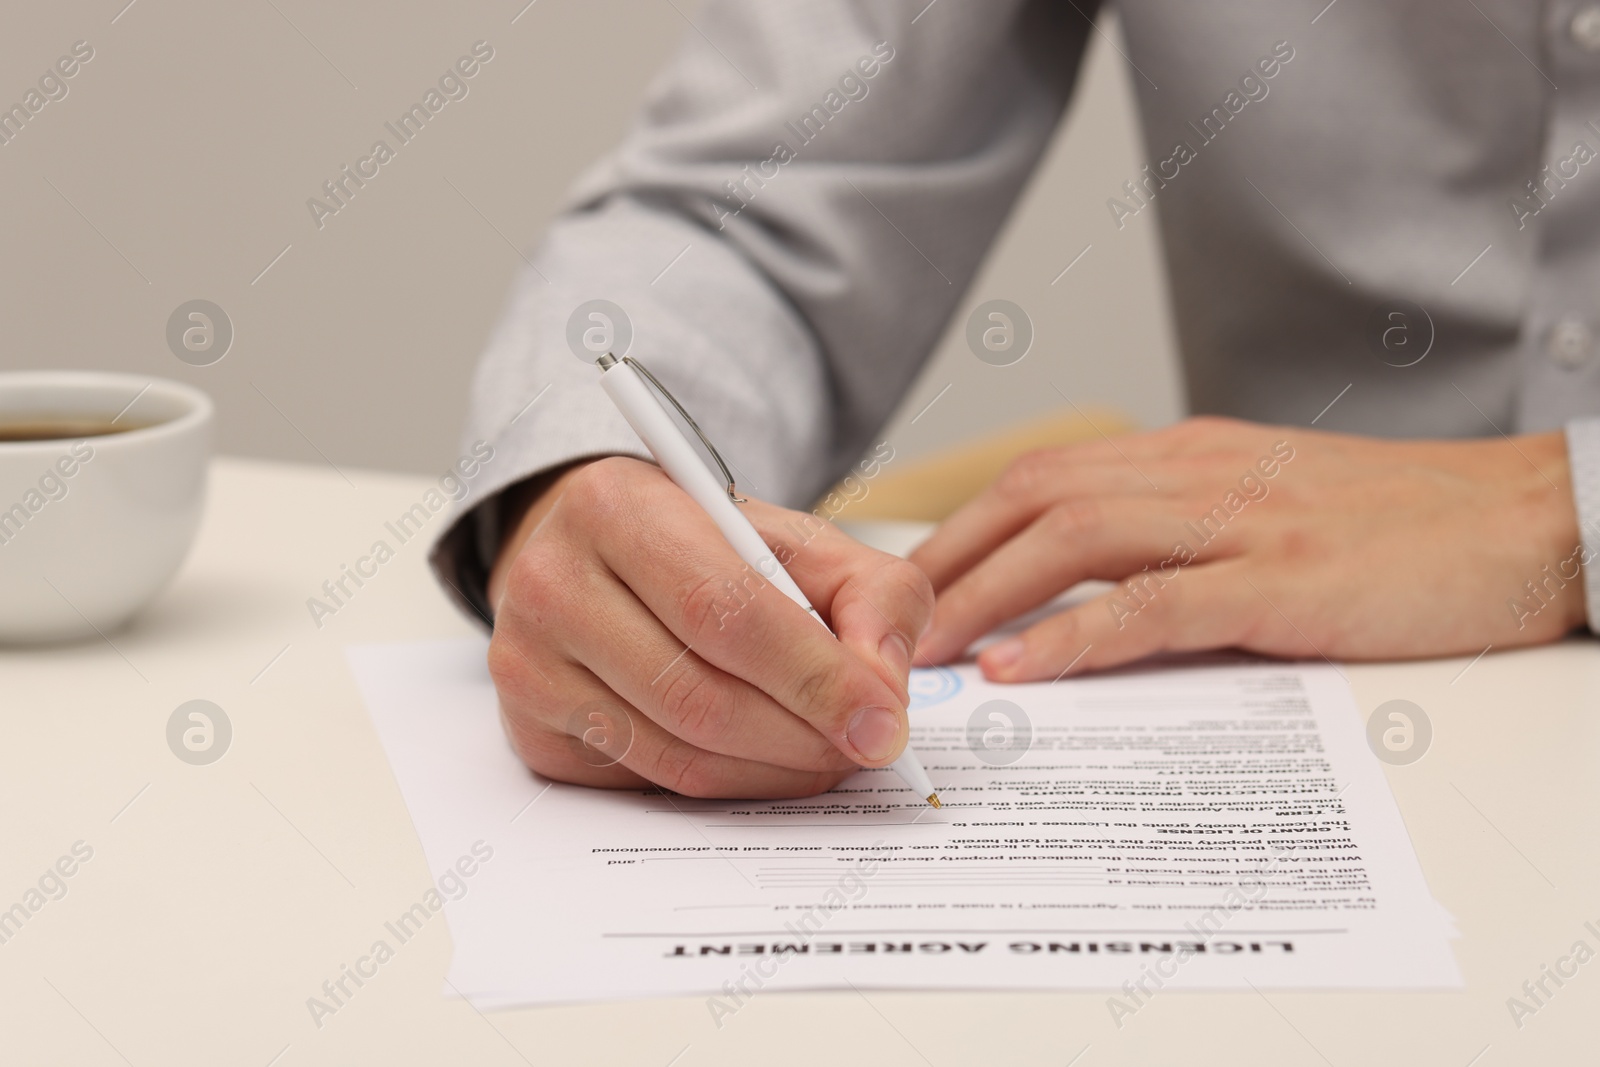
(464, 554)
(1583, 454)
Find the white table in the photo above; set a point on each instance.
(219, 898)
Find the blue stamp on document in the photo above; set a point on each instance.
(932, 685)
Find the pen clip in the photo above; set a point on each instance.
(727, 475)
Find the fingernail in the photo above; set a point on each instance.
(895, 651)
(1004, 655)
(873, 732)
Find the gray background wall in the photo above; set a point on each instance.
(179, 163)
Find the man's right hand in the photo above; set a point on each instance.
(633, 646)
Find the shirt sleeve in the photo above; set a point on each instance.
(1583, 454)
(803, 199)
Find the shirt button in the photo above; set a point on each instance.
(1570, 343)
(1586, 28)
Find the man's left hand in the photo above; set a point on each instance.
(1280, 540)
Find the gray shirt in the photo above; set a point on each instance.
(1397, 205)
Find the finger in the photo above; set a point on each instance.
(1068, 543)
(683, 768)
(623, 750)
(534, 710)
(600, 741)
(1205, 607)
(737, 621)
(611, 632)
(879, 605)
(1030, 485)
(563, 757)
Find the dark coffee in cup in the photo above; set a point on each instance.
(64, 428)
(102, 481)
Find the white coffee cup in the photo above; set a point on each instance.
(93, 526)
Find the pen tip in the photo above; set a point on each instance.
(933, 798)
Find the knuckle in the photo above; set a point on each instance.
(1067, 630)
(1071, 520)
(537, 582)
(1168, 600)
(695, 708)
(1299, 546)
(1028, 476)
(601, 489)
(535, 747)
(827, 694)
(504, 665)
(814, 691)
(1198, 437)
(1146, 586)
(685, 769)
(911, 578)
(510, 670)
(709, 601)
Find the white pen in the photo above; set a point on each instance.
(622, 381)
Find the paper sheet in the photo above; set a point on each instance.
(1193, 825)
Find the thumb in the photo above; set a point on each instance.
(878, 605)
(880, 613)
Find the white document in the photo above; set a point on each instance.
(1197, 825)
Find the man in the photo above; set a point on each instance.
(836, 171)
